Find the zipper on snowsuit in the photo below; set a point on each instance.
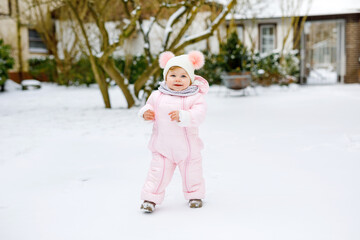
(187, 160)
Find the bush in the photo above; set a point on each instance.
(78, 74)
(275, 69)
(43, 69)
(292, 64)
(266, 69)
(211, 70)
(234, 56)
(6, 62)
(137, 67)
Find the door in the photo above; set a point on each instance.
(323, 52)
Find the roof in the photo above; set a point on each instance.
(272, 8)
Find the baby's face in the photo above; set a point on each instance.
(177, 79)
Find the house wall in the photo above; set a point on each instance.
(8, 32)
(252, 37)
(352, 33)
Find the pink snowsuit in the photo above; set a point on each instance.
(176, 143)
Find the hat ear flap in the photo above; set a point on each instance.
(197, 59)
(164, 58)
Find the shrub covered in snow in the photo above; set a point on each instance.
(6, 63)
(211, 70)
(266, 69)
(234, 56)
(275, 68)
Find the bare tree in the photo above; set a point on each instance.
(175, 40)
(18, 38)
(291, 12)
(181, 13)
(175, 16)
(250, 9)
(62, 49)
(79, 10)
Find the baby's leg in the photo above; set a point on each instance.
(192, 178)
(159, 176)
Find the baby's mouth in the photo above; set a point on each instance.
(178, 85)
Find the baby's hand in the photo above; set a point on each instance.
(149, 115)
(174, 115)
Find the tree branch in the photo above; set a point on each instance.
(127, 31)
(208, 32)
(187, 24)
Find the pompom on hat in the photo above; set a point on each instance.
(190, 62)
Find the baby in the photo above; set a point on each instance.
(176, 109)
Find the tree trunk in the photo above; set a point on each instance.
(114, 73)
(19, 46)
(101, 82)
(151, 70)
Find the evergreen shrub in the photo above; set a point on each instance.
(6, 63)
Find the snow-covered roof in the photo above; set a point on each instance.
(272, 8)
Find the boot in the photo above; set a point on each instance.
(195, 203)
(147, 206)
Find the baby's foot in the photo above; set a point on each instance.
(147, 206)
(195, 203)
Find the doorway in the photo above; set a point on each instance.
(323, 52)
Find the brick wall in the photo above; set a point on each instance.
(15, 76)
(352, 46)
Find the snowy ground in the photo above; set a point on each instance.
(280, 165)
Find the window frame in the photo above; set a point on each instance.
(243, 32)
(260, 27)
(8, 13)
(36, 39)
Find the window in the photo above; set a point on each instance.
(267, 38)
(240, 32)
(36, 44)
(4, 8)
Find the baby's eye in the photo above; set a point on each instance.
(172, 75)
(183, 76)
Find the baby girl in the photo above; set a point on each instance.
(176, 109)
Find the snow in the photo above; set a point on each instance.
(307, 7)
(30, 82)
(170, 23)
(322, 76)
(280, 164)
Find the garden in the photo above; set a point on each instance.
(265, 69)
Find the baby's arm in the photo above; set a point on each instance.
(195, 115)
(147, 112)
(149, 115)
(175, 116)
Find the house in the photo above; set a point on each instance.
(328, 41)
(17, 13)
(327, 37)
(31, 45)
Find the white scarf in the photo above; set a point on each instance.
(189, 91)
